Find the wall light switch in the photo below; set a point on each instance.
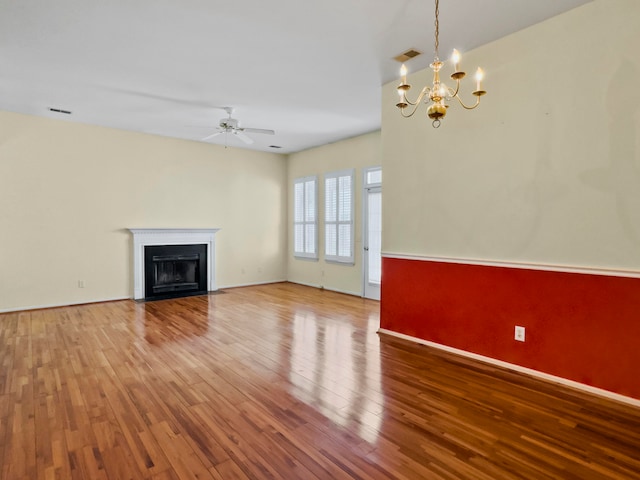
(519, 333)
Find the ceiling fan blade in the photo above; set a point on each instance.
(211, 136)
(164, 98)
(259, 130)
(243, 137)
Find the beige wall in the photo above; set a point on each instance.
(547, 169)
(357, 153)
(68, 192)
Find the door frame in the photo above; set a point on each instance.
(368, 187)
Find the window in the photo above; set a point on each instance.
(338, 216)
(373, 177)
(305, 217)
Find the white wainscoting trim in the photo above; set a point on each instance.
(524, 266)
(518, 368)
(171, 236)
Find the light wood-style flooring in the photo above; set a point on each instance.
(281, 382)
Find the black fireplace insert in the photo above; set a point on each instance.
(174, 271)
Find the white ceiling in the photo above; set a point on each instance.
(310, 70)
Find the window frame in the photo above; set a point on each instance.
(367, 186)
(341, 259)
(365, 177)
(305, 255)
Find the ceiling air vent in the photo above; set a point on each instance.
(408, 55)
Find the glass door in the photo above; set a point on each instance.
(372, 255)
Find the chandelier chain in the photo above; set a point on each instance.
(437, 25)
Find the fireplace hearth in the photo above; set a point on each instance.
(175, 271)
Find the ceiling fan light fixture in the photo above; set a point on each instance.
(232, 125)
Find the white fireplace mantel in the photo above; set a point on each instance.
(171, 236)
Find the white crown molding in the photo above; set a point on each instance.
(518, 265)
(171, 236)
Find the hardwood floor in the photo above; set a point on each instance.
(286, 382)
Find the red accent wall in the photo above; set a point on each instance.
(580, 327)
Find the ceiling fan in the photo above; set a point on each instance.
(232, 126)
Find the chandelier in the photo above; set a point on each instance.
(437, 94)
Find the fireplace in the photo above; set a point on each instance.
(176, 269)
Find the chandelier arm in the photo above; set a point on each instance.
(415, 106)
(467, 107)
(423, 92)
(413, 111)
(452, 92)
(409, 102)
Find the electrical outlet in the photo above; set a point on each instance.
(80, 283)
(519, 333)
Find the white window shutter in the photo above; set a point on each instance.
(305, 217)
(339, 216)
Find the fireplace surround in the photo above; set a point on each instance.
(144, 237)
(174, 271)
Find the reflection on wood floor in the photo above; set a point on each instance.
(285, 382)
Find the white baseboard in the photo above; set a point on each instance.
(321, 287)
(58, 305)
(100, 300)
(220, 287)
(250, 284)
(346, 292)
(511, 366)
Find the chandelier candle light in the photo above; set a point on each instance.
(437, 94)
